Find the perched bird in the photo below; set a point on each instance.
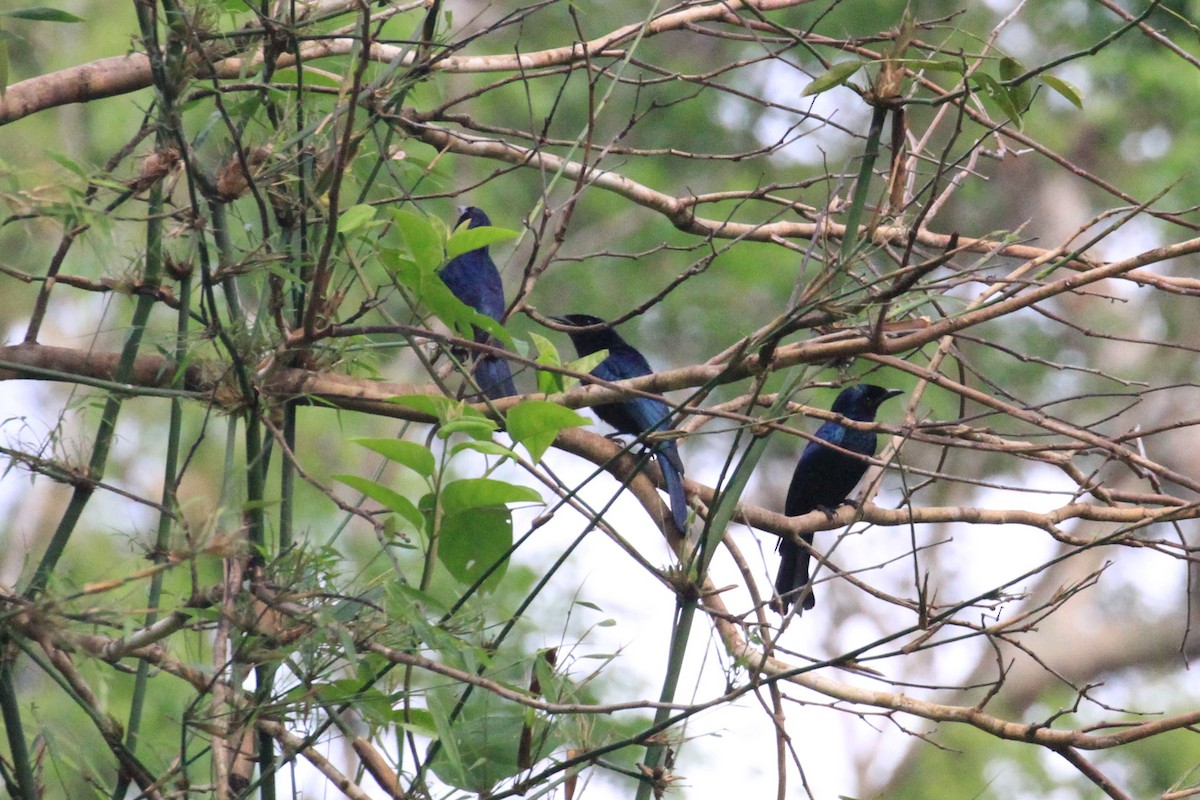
(474, 279)
(638, 415)
(823, 479)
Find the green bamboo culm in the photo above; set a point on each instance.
(720, 514)
(10, 712)
(862, 184)
(151, 276)
(166, 519)
(681, 627)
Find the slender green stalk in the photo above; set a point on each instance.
(152, 273)
(166, 520)
(124, 388)
(724, 505)
(10, 711)
(287, 480)
(255, 489)
(685, 613)
(264, 674)
(862, 184)
(104, 435)
(720, 514)
(220, 225)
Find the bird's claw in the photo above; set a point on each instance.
(830, 513)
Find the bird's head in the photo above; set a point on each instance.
(580, 320)
(601, 336)
(862, 400)
(473, 216)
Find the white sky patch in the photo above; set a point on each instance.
(1148, 145)
(1017, 42)
(783, 84)
(1134, 237)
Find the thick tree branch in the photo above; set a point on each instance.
(107, 77)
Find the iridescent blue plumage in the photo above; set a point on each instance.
(635, 416)
(474, 279)
(823, 479)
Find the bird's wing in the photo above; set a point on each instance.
(824, 477)
(494, 377)
(474, 279)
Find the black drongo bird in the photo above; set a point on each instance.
(474, 279)
(823, 479)
(638, 415)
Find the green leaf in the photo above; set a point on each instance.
(486, 751)
(471, 541)
(388, 498)
(67, 163)
(1067, 90)
(405, 600)
(434, 406)
(953, 65)
(547, 353)
(448, 765)
(998, 95)
(482, 492)
(429, 290)
(1010, 68)
(536, 423)
(373, 704)
(485, 446)
(585, 365)
(837, 75)
(355, 217)
(552, 682)
(423, 240)
(1021, 94)
(412, 455)
(453, 416)
(42, 14)
(464, 240)
(488, 730)
(476, 427)
(418, 721)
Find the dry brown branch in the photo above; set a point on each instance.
(116, 75)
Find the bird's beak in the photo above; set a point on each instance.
(892, 393)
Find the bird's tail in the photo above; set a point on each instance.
(792, 579)
(674, 481)
(494, 377)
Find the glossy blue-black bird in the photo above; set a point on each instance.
(638, 415)
(823, 479)
(474, 279)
